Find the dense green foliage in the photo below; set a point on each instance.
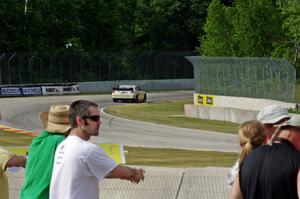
(101, 25)
(241, 28)
(253, 28)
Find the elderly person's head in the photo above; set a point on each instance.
(272, 116)
(290, 130)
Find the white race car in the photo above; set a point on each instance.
(128, 92)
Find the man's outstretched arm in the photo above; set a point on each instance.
(16, 161)
(127, 173)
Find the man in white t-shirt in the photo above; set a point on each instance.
(78, 164)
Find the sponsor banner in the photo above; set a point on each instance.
(52, 90)
(210, 101)
(206, 100)
(114, 151)
(70, 89)
(37, 90)
(11, 91)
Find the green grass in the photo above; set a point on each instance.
(178, 158)
(14, 139)
(149, 156)
(297, 93)
(170, 113)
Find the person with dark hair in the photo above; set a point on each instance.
(272, 171)
(84, 163)
(39, 165)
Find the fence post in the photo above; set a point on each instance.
(30, 66)
(10, 58)
(179, 187)
(3, 54)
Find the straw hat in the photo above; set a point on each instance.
(57, 120)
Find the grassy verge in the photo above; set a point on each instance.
(170, 113)
(14, 139)
(297, 93)
(149, 156)
(178, 158)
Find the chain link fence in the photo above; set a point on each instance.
(61, 67)
(246, 77)
(193, 183)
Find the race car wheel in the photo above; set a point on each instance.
(136, 99)
(145, 98)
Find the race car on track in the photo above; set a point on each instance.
(128, 92)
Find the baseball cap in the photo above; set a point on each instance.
(293, 121)
(272, 114)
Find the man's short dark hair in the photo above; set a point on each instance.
(80, 108)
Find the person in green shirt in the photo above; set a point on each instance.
(39, 163)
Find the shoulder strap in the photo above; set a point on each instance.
(285, 141)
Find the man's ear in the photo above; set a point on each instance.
(79, 121)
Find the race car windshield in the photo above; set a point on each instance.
(125, 89)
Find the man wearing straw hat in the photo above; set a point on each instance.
(78, 164)
(272, 171)
(39, 164)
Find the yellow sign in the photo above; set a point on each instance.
(19, 150)
(206, 100)
(114, 151)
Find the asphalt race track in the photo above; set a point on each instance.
(22, 113)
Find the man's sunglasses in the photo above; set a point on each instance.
(94, 118)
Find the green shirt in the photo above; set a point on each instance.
(39, 165)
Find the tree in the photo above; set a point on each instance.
(171, 25)
(218, 31)
(100, 25)
(50, 24)
(12, 26)
(257, 26)
(247, 28)
(289, 46)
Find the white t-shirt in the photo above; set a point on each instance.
(78, 167)
(231, 175)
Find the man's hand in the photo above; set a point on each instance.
(16, 161)
(138, 175)
(127, 173)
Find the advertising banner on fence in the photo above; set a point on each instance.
(11, 91)
(60, 89)
(52, 90)
(206, 100)
(35, 90)
(39, 90)
(70, 89)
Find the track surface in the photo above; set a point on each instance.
(22, 113)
